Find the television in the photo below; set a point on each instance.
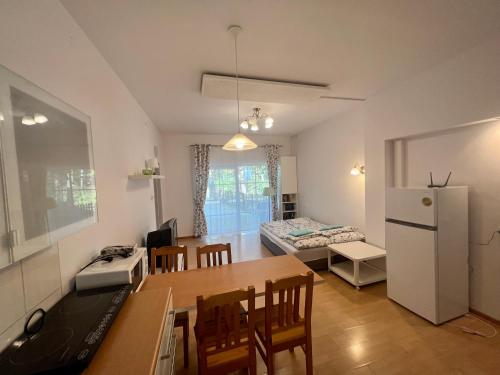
(166, 235)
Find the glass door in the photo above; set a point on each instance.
(235, 201)
(254, 206)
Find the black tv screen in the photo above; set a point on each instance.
(165, 236)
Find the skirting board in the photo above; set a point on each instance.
(484, 316)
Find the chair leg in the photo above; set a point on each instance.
(201, 369)
(309, 357)
(198, 359)
(252, 362)
(270, 363)
(185, 339)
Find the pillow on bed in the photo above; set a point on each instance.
(333, 226)
(300, 232)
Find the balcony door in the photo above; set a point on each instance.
(235, 202)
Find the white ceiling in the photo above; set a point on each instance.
(160, 48)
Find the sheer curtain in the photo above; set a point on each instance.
(235, 200)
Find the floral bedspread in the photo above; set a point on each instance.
(317, 238)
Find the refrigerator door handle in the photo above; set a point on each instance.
(413, 225)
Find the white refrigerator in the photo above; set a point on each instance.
(427, 242)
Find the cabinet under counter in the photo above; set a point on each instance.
(141, 339)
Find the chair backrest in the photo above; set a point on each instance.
(219, 326)
(213, 254)
(169, 258)
(288, 307)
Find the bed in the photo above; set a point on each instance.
(311, 248)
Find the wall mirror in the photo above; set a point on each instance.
(48, 185)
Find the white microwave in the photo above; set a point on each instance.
(132, 270)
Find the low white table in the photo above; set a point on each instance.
(356, 271)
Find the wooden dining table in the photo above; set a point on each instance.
(187, 285)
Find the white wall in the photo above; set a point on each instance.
(325, 157)
(41, 42)
(474, 160)
(176, 166)
(461, 90)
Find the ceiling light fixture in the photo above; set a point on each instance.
(28, 120)
(257, 117)
(37, 118)
(239, 142)
(269, 122)
(40, 119)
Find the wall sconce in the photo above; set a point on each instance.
(357, 170)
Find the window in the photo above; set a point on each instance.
(235, 200)
(69, 190)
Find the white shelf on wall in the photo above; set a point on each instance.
(145, 177)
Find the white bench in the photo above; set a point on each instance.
(355, 270)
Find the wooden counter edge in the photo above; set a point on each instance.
(132, 343)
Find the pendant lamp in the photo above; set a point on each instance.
(239, 142)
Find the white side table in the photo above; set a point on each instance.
(356, 271)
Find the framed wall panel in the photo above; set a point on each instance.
(48, 167)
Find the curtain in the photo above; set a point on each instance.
(201, 169)
(272, 161)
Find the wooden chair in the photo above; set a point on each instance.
(225, 343)
(213, 254)
(214, 258)
(170, 263)
(280, 327)
(169, 258)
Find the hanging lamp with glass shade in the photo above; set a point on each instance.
(239, 142)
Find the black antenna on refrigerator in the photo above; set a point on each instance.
(432, 185)
(447, 180)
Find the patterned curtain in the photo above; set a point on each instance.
(200, 184)
(273, 160)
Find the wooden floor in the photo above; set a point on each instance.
(363, 332)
